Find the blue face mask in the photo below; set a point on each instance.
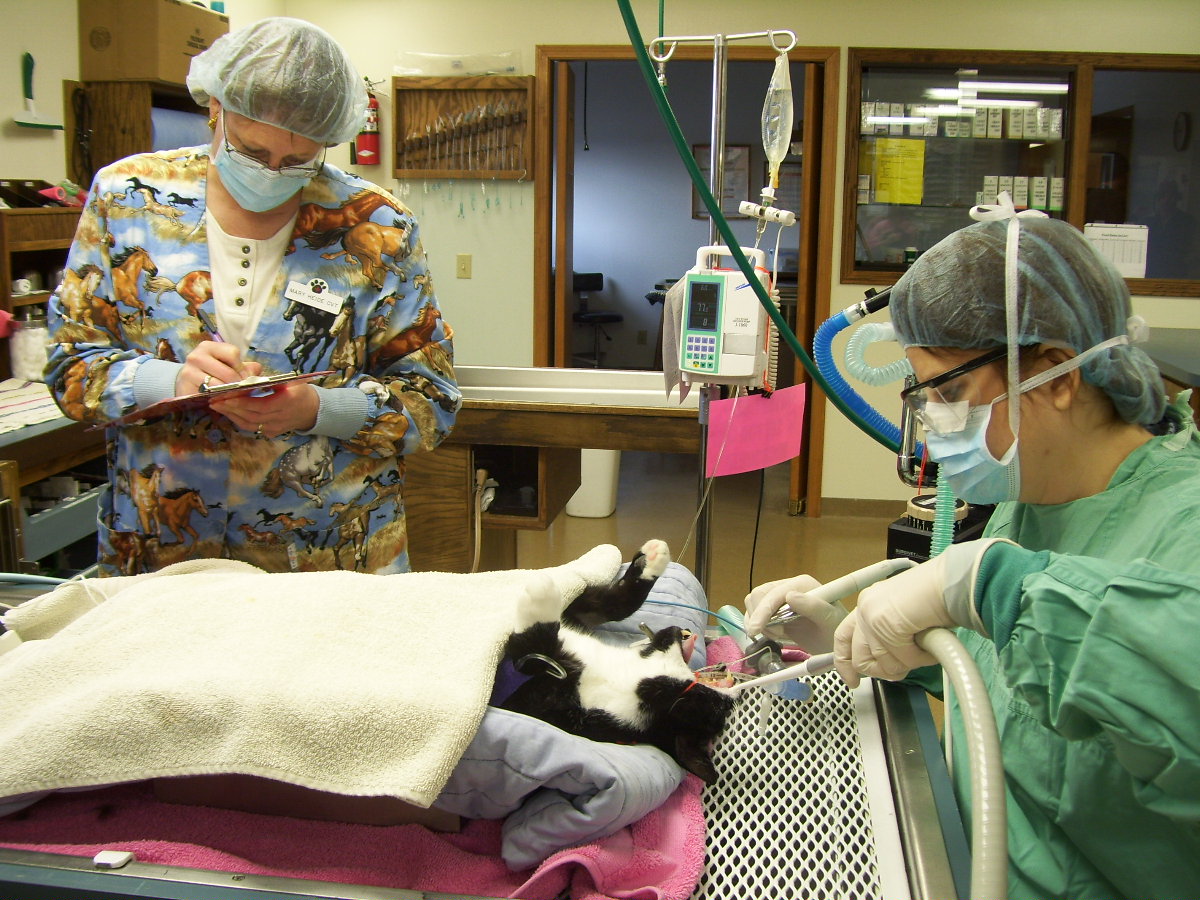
(968, 466)
(255, 188)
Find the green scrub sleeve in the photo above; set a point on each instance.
(997, 588)
(1105, 648)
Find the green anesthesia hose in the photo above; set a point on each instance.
(731, 241)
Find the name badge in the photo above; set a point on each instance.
(316, 294)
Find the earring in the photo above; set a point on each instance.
(212, 121)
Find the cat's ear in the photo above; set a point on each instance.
(691, 752)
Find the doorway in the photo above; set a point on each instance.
(612, 195)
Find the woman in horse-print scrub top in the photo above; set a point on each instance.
(297, 266)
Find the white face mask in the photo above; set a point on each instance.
(960, 447)
(967, 464)
(253, 185)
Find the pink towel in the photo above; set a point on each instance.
(660, 857)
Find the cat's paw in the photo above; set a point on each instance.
(542, 602)
(657, 556)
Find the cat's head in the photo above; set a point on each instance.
(686, 718)
(685, 715)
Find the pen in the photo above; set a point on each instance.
(209, 325)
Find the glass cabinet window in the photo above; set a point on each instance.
(934, 140)
(1143, 167)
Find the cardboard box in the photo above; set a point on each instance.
(249, 793)
(144, 40)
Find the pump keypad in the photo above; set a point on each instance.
(700, 353)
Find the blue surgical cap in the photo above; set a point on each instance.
(287, 73)
(1068, 295)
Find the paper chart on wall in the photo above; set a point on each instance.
(899, 170)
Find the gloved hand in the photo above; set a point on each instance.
(815, 622)
(878, 638)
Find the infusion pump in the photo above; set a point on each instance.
(724, 330)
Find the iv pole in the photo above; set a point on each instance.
(716, 168)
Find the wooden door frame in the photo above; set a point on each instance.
(816, 259)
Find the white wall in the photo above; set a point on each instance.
(492, 312)
(633, 199)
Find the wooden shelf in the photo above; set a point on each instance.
(36, 298)
(32, 239)
(472, 127)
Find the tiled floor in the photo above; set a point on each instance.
(658, 496)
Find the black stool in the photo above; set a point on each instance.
(584, 284)
(597, 319)
(658, 297)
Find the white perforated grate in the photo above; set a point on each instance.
(791, 815)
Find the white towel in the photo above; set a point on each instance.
(213, 666)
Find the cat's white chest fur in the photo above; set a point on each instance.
(611, 674)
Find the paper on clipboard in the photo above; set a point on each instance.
(1122, 245)
(265, 384)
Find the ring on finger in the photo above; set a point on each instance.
(204, 383)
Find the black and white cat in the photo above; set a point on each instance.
(556, 670)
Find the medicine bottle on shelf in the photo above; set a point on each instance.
(27, 346)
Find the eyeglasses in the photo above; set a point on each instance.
(308, 170)
(938, 411)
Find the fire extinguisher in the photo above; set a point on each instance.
(365, 151)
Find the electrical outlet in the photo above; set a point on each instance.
(641, 338)
(462, 265)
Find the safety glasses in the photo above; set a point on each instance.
(937, 409)
(308, 170)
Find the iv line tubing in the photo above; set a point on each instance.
(714, 210)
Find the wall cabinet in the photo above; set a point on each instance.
(1092, 138)
(932, 133)
(32, 241)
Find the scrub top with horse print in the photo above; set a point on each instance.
(191, 484)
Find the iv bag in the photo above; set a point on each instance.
(777, 116)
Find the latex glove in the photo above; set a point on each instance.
(879, 637)
(815, 620)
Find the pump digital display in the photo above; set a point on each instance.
(704, 304)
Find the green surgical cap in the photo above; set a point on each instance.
(287, 73)
(1068, 295)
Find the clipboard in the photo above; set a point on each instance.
(255, 386)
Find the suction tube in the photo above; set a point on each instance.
(989, 824)
(731, 241)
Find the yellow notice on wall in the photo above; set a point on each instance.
(898, 166)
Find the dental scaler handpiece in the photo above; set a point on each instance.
(833, 591)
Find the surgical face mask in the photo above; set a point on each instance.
(956, 435)
(254, 186)
(967, 464)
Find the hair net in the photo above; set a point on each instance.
(287, 73)
(1067, 294)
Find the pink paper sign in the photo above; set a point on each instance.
(756, 431)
